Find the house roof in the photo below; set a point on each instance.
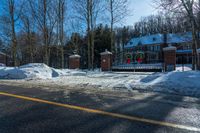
(159, 39)
(186, 51)
(2, 53)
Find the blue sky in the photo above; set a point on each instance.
(140, 8)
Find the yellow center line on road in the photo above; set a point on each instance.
(100, 112)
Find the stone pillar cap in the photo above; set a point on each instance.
(169, 48)
(75, 56)
(198, 50)
(106, 53)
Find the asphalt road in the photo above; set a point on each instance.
(18, 115)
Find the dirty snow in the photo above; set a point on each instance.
(177, 82)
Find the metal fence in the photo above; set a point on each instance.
(139, 67)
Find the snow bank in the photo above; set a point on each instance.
(35, 71)
(184, 83)
(2, 65)
(177, 79)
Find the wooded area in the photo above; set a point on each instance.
(48, 31)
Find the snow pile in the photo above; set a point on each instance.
(35, 71)
(185, 67)
(186, 83)
(2, 65)
(189, 79)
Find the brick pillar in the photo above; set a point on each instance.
(3, 58)
(198, 62)
(106, 61)
(169, 58)
(74, 61)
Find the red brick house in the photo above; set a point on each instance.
(149, 49)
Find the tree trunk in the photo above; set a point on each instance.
(92, 34)
(111, 26)
(92, 50)
(29, 38)
(89, 34)
(45, 33)
(88, 52)
(14, 39)
(194, 45)
(62, 57)
(61, 29)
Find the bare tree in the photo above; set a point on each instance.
(88, 12)
(118, 10)
(12, 11)
(28, 27)
(61, 10)
(186, 7)
(44, 13)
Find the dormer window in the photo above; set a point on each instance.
(154, 39)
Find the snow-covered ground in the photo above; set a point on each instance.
(35, 71)
(178, 82)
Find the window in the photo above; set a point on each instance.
(155, 48)
(148, 48)
(152, 48)
(139, 43)
(158, 47)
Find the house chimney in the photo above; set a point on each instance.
(165, 39)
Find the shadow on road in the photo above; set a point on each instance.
(30, 117)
